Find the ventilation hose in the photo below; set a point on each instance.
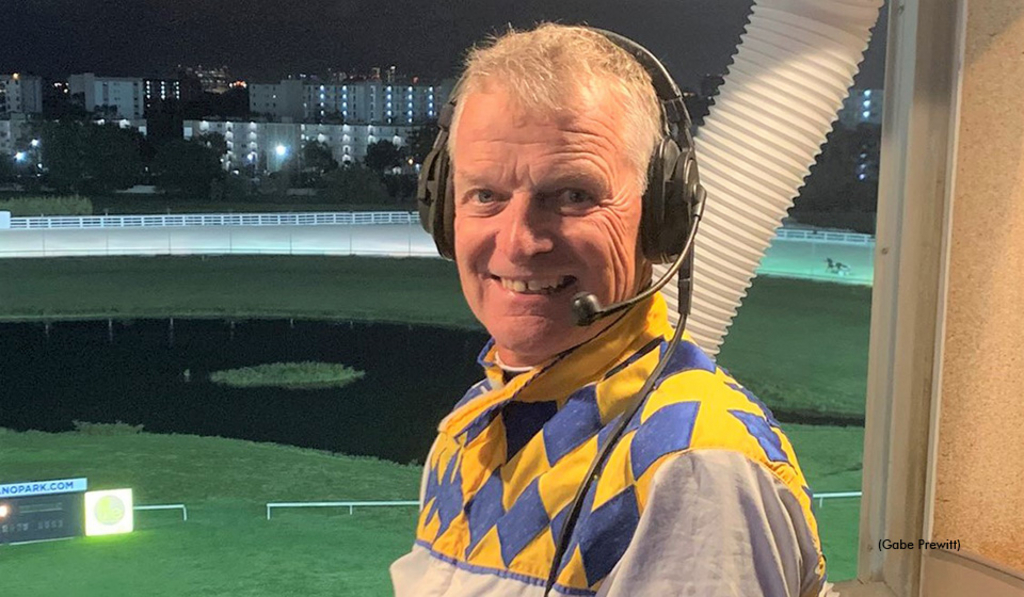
(793, 68)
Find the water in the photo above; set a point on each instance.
(133, 371)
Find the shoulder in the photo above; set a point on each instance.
(697, 406)
(717, 514)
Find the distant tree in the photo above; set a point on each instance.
(83, 157)
(352, 184)
(420, 141)
(382, 156)
(401, 187)
(317, 158)
(7, 169)
(214, 141)
(187, 167)
(834, 185)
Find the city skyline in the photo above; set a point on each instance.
(261, 40)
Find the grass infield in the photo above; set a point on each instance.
(292, 376)
(228, 548)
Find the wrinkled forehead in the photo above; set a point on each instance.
(495, 114)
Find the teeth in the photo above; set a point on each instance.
(539, 285)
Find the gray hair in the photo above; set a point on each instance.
(552, 67)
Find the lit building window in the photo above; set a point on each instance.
(866, 114)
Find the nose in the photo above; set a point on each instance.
(525, 230)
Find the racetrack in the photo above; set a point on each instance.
(785, 258)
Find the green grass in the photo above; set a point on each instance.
(411, 290)
(293, 376)
(801, 346)
(832, 458)
(49, 205)
(228, 548)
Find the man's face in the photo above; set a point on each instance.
(544, 208)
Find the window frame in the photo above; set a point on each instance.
(919, 127)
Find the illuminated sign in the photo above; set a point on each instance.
(17, 490)
(40, 517)
(109, 512)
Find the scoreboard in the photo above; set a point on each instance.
(42, 510)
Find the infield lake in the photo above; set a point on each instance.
(156, 373)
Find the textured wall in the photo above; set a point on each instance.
(980, 468)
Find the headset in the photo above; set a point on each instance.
(673, 205)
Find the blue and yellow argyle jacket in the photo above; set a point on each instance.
(508, 460)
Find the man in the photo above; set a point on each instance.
(702, 495)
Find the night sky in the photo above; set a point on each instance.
(261, 40)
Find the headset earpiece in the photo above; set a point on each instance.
(434, 190)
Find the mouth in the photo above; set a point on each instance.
(540, 285)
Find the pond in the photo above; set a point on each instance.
(134, 371)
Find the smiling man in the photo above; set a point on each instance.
(550, 142)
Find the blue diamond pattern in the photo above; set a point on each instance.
(430, 493)
(757, 402)
(759, 428)
(579, 419)
(484, 510)
(558, 521)
(687, 357)
(607, 533)
(524, 521)
(668, 429)
(449, 495)
(606, 431)
(522, 422)
(581, 521)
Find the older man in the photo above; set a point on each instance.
(702, 495)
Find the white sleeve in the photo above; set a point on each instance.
(426, 471)
(718, 524)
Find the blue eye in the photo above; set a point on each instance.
(483, 195)
(576, 196)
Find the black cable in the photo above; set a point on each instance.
(594, 472)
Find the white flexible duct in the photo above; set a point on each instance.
(794, 66)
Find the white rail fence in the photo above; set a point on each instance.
(184, 510)
(350, 505)
(345, 218)
(820, 498)
(797, 253)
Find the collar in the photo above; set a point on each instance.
(561, 375)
